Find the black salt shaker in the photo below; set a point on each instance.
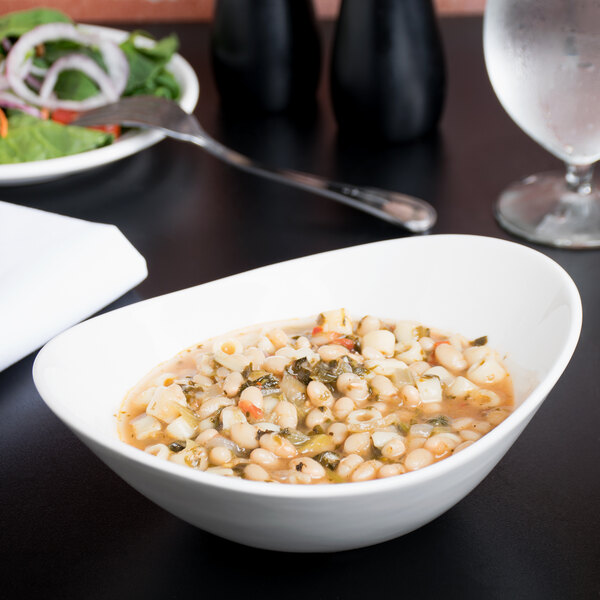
(387, 71)
(265, 53)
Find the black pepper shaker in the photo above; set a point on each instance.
(266, 54)
(387, 72)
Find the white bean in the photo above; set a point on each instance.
(206, 435)
(286, 414)
(390, 470)
(308, 466)
(415, 442)
(348, 464)
(451, 358)
(338, 433)
(211, 405)
(232, 383)
(426, 343)
(332, 351)
(411, 395)
(382, 340)
(253, 395)
(302, 342)
(419, 367)
(357, 443)
(278, 337)
(343, 407)
(219, 455)
(394, 448)
(256, 357)
(417, 459)
(278, 445)
(366, 471)
(442, 443)
(255, 472)
(317, 417)
(383, 387)
(264, 458)
(318, 393)
(352, 386)
(462, 446)
(275, 364)
(244, 435)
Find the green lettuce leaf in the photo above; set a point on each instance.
(17, 23)
(147, 67)
(32, 139)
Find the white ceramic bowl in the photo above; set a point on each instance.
(526, 304)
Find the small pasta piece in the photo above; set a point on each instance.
(489, 372)
(410, 353)
(381, 340)
(145, 426)
(368, 324)
(159, 450)
(278, 337)
(430, 389)
(181, 429)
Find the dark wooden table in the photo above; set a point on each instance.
(70, 528)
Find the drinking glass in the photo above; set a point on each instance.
(543, 60)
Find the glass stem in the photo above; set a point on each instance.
(579, 179)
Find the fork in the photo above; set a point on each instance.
(150, 112)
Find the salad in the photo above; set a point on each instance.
(52, 69)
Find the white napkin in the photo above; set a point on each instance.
(54, 272)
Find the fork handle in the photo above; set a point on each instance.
(411, 213)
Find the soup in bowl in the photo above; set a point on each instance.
(457, 289)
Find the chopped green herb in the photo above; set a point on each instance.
(441, 421)
(329, 460)
(480, 341)
(177, 446)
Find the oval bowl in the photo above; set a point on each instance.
(468, 284)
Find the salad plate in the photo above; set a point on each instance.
(134, 141)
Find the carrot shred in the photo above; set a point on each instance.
(247, 407)
(45, 114)
(346, 342)
(3, 124)
(440, 343)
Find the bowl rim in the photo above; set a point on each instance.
(472, 453)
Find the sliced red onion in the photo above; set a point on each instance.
(8, 100)
(85, 64)
(37, 71)
(18, 66)
(4, 85)
(117, 64)
(6, 44)
(32, 82)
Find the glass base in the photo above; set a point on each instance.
(541, 209)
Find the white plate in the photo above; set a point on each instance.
(130, 143)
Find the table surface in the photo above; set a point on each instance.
(70, 528)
